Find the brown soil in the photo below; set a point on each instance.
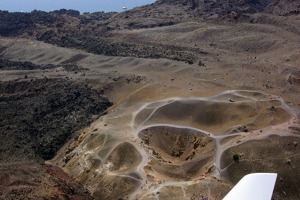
(274, 154)
(196, 86)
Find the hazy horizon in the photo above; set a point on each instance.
(82, 6)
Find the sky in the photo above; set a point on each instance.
(80, 5)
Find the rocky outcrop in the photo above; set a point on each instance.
(39, 116)
(278, 7)
(38, 181)
(6, 64)
(15, 24)
(284, 7)
(92, 31)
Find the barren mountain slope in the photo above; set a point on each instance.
(203, 93)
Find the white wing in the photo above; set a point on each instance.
(257, 186)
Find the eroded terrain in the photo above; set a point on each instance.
(196, 105)
(182, 146)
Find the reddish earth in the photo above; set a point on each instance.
(29, 180)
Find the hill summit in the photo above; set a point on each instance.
(278, 7)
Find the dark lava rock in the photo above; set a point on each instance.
(278, 7)
(73, 13)
(39, 116)
(17, 65)
(91, 32)
(15, 24)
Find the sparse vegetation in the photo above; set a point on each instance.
(197, 49)
(200, 63)
(236, 157)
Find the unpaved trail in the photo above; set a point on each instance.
(175, 145)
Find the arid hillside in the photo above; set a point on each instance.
(174, 100)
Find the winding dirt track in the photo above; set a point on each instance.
(176, 146)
